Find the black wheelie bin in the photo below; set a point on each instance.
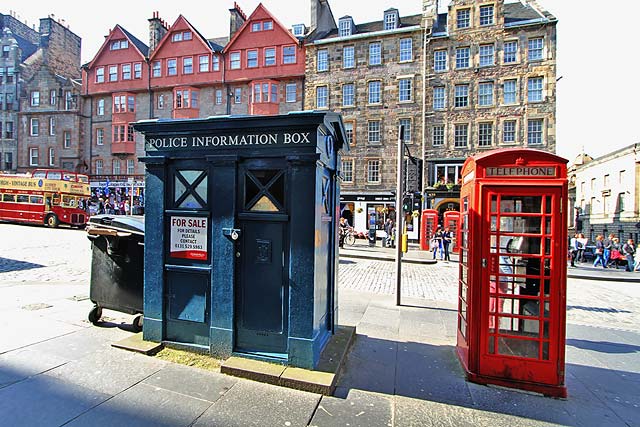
(117, 265)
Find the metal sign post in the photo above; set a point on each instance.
(399, 225)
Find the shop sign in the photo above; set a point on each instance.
(237, 140)
(188, 237)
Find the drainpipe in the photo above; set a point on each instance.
(426, 41)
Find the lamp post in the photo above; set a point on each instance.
(399, 214)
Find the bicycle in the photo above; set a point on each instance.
(349, 236)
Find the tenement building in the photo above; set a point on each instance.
(491, 73)
(372, 74)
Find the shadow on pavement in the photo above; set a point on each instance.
(596, 309)
(7, 265)
(603, 346)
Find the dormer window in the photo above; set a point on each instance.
(391, 19)
(119, 44)
(262, 26)
(298, 30)
(181, 36)
(345, 26)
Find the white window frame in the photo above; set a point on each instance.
(535, 89)
(485, 134)
(437, 137)
(35, 98)
(375, 53)
(460, 135)
(407, 123)
(99, 136)
(52, 156)
(374, 92)
(535, 49)
(126, 71)
(405, 89)
(34, 156)
(485, 94)
(507, 97)
(322, 63)
(52, 126)
(131, 167)
(349, 95)
(510, 56)
(115, 166)
(347, 171)
(99, 166)
(486, 17)
(203, 63)
(322, 97)
(487, 54)
(100, 75)
(406, 49)
(291, 92)
(509, 131)
(34, 127)
(534, 134)
(374, 169)
(289, 55)
(66, 139)
(440, 61)
(439, 97)
(374, 132)
(348, 57)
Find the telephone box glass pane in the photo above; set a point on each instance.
(520, 204)
(518, 347)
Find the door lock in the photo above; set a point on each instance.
(233, 234)
(484, 262)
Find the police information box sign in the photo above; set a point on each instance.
(188, 238)
(231, 140)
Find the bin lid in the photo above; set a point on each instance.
(120, 223)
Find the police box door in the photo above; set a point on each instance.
(261, 293)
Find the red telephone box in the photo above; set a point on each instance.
(513, 271)
(428, 225)
(451, 220)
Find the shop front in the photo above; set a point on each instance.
(116, 190)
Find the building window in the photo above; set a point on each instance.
(290, 92)
(390, 21)
(252, 58)
(100, 75)
(485, 94)
(375, 53)
(203, 63)
(160, 102)
(137, 70)
(35, 98)
(115, 166)
(99, 136)
(437, 135)
(156, 69)
(237, 95)
(119, 104)
(52, 157)
(621, 202)
(405, 90)
(344, 27)
(69, 102)
(131, 167)
(322, 97)
(510, 52)
(187, 65)
(374, 92)
(348, 129)
(621, 178)
(269, 56)
(509, 92)
(461, 135)
(33, 156)
(113, 73)
(534, 87)
(5, 51)
(373, 171)
(323, 60)
(439, 98)
(66, 139)
(536, 47)
(461, 98)
(440, 60)
(463, 18)
(52, 126)
(216, 62)
(347, 170)
(185, 98)
(348, 57)
(8, 161)
(509, 132)
(299, 30)
(406, 124)
(218, 96)
(406, 50)
(172, 67)
(288, 54)
(348, 95)
(52, 97)
(593, 185)
(462, 57)
(486, 15)
(485, 134)
(534, 131)
(373, 128)
(181, 36)
(487, 55)
(99, 167)
(234, 61)
(119, 44)
(126, 71)
(8, 130)
(447, 173)
(34, 127)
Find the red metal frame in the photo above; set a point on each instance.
(428, 226)
(512, 285)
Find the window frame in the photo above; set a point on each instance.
(34, 126)
(378, 92)
(440, 136)
(270, 60)
(348, 61)
(322, 97)
(287, 89)
(66, 139)
(374, 167)
(34, 156)
(536, 49)
(405, 51)
(348, 93)
(374, 132)
(490, 19)
(235, 60)
(539, 131)
(512, 131)
(485, 139)
(506, 84)
(438, 62)
(125, 71)
(535, 92)
(100, 75)
(99, 136)
(202, 63)
(510, 56)
(439, 102)
(463, 22)
(375, 54)
(35, 98)
(291, 57)
(187, 65)
(486, 98)
(350, 161)
(484, 56)
(458, 134)
(172, 67)
(252, 58)
(322, 60)
(405, 94)
(461, 100)
(461, 60)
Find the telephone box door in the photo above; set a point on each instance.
(428, 227)
(519, 313)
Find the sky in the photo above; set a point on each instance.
(597, 91)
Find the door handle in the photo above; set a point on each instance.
(484, 263)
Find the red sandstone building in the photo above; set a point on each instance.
(257, 69)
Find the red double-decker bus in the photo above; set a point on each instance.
(46, 196)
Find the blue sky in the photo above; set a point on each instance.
(596, 106)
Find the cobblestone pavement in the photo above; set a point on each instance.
(39, 255)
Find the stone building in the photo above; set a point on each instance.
(491, 72)
(372, 74)
(607, 192)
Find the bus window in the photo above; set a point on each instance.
(54, 175)
(56, 200)
(36, 200)
(40, 174)
(69, 176)
(8, 198)
(22, 198)
(83, 178)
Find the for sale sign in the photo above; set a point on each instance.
(188, 238)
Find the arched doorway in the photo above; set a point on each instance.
(447, 205)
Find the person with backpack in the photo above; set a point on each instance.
(629, 250)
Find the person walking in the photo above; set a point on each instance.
(599, 252)
(629, 250)
(439, 245)
(573, 249)
(608, 245)
(446, 241)
(581, 244)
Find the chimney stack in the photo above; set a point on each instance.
(157, 30)
(236, 19)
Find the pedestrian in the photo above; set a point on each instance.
(629, 250)
(582, 243)
(599, 252)
(388, 229)
(446, 241)
(573, 249)
(608, 245)
(342, 231)
(439, 238)
(101, 207)
(127, 207)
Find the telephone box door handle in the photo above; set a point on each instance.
(484, 262)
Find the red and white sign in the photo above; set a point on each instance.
(188, 238)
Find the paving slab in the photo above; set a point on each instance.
(357, 409)
(45, 401)
(137, 344)
(144, 405)
(256, 370)
(21, 364)
(256, 404)
(193, 382)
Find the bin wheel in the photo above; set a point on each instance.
(95, 314)
(52, 221)
(137, 323)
